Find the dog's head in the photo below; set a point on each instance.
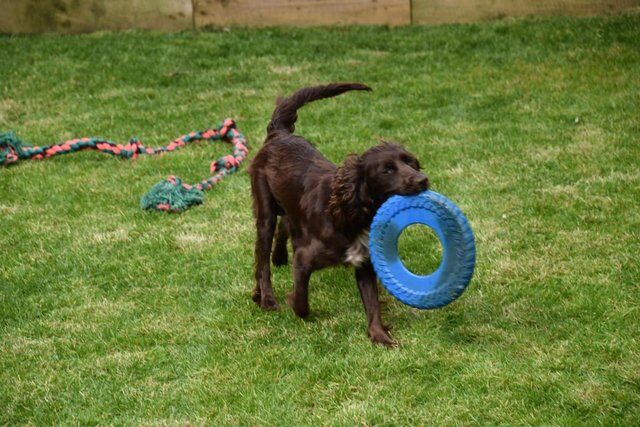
(364, 182)
(389, 169)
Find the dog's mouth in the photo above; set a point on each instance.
(415, 187)
(411, 191)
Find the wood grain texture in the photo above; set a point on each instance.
(451, 11)
(73, 16)
(261, 13)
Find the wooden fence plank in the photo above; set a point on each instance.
(73, 16)
(450, 11)
(260, 13)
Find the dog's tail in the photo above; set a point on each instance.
(285, 115)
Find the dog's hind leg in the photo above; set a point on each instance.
(264, 209)
(279, 255)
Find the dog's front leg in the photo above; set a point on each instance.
(302, 268)
(368, 285)
(279, 255)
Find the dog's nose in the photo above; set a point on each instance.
(424, 183)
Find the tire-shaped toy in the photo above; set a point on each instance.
(458, 249)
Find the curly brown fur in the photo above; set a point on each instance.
(325, 210)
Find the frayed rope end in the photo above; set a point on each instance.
(171, 195)
(10, 148)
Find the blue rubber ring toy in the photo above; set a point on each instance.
(458, 249)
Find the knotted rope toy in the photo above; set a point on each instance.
(170, 195)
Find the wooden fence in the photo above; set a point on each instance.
(77, 16)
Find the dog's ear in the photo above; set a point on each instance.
(350, 204)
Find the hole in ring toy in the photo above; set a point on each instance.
(453, 274)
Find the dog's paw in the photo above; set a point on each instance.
(280, 258)
(380, 336)
(301, 310)
(256, 296)
(269, 303)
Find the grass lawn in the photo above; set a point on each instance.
(113, 315)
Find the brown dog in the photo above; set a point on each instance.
(325, 209)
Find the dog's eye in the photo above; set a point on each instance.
(389, 168)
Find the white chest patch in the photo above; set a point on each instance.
(358, 252)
